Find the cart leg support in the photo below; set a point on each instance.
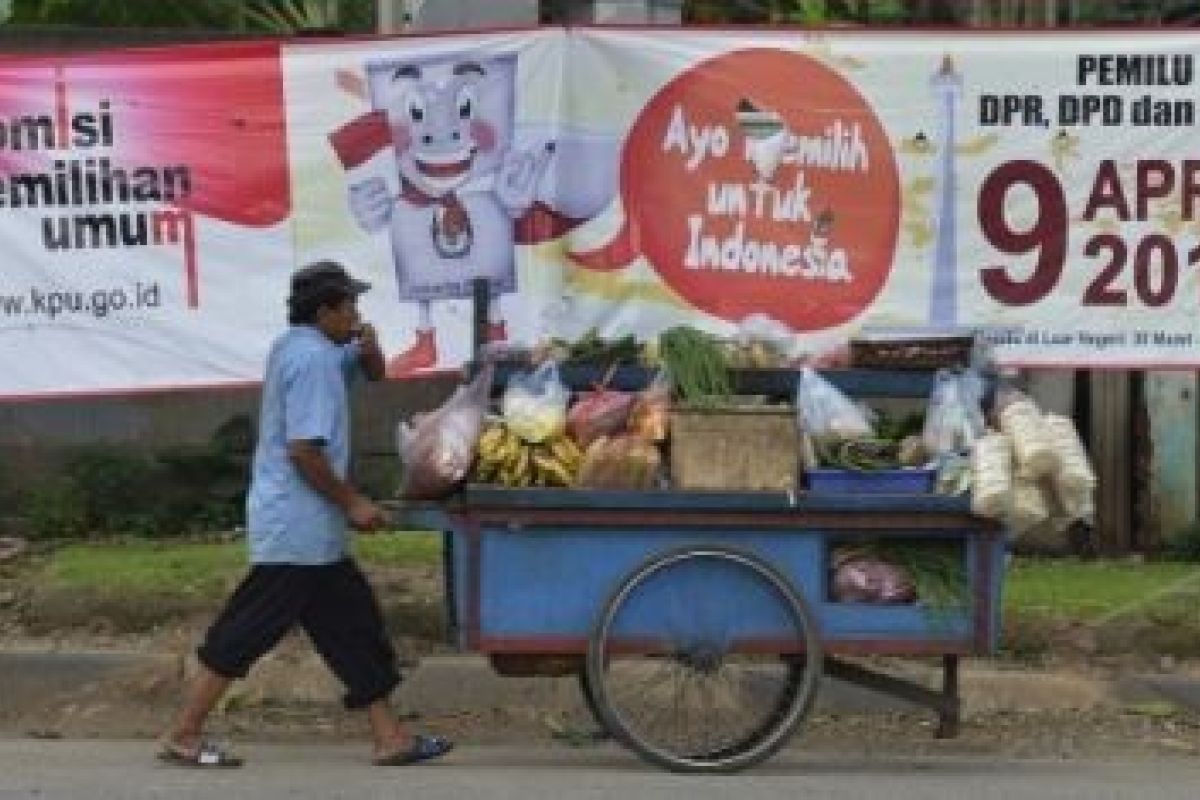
(945, 702)
(950, 713)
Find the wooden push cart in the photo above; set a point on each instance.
(701, 623)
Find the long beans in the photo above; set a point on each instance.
(697, 365)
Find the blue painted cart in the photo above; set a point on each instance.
(700, 623)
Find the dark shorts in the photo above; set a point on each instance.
(334, 605)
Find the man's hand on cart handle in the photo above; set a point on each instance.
(362, 513)
(365, 515)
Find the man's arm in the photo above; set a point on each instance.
(309, 458)
(370, 357)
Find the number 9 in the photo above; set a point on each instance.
(1048, 235)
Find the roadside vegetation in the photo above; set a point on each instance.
(200, 569)
(1051, 605)
(124, 540)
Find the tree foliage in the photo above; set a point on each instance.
(240, 16)
(942, 12)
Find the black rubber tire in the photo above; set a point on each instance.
(589, 700)
(775, 731)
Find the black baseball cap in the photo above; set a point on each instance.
(325, 276)
(322, 283)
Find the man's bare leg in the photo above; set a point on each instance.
(188, 730)
(389, 736)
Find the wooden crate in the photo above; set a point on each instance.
(749, 448)
(923, 353)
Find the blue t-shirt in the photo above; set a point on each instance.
(305, 396)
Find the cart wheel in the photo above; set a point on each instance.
(704, 659)
(589, 699)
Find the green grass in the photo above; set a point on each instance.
(155, 567)
(407, 548)
(1086, 591)
(1091, 590)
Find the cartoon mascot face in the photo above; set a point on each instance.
(444, 129)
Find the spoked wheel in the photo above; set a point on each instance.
(589, 700)
(704, 659)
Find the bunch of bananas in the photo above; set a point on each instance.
(506, 459)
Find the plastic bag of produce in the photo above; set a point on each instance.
(954, 419)
(859, 578)
(649, 417)
(954, 475)
(437, 449)
(1074, 480)
(601, 412)
(1077, 504)
(620, 462)
(1022, 421)
(1030, 506)
(534, 405)
(824, 412)
(761, 342)
(991, 475)
(1051, 534)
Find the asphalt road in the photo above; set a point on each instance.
(103, 770)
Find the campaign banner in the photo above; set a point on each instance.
(1037, 187)
(144, 218)
(805, 186)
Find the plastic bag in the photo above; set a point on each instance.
(437, 449)
(1078, 505)
(1030, 506)
(954, 475)
(601, 412)
(620, 462)
(953, 419)
(1074, 481)
(534, 405)
(823, 411)
(649, 416)
(761, 342)
(1022, 420)
(991, 468)
(1007, 393)
(763, 328)
(859, 578)
(1051, 534)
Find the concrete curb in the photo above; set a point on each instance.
(446, 684)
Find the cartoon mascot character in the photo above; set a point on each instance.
(461, 194)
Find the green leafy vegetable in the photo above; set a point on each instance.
(698, 366)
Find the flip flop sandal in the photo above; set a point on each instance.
(207, 755)
(424, 748)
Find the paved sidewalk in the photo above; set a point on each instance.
(117, 770)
